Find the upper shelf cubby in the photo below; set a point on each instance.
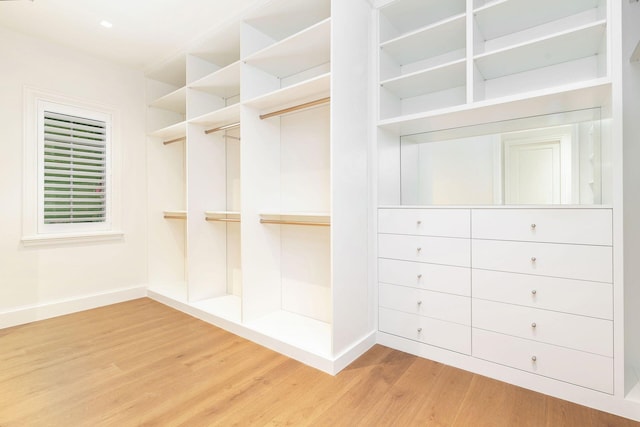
(402, 17)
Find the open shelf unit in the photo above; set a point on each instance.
(275, 112)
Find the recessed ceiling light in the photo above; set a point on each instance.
(106, 24)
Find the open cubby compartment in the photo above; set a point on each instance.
(402, 17)
(503, 23)
(301, 57)
(431, 89)
(286, 175)
(431, 46)
(166, 219)
(570, 56)
(282, 19)
(213, 53)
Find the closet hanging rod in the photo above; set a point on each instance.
(223, 219)
(296, 108)
(225, 127)
(232, 137)
(278, 221)
(171, 141)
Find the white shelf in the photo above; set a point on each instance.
(302, 51)
(170, 132)
(427, 81)
(174, 101)
(224, 82)
(228, 307)
(428, 42)
(317, 87)
(224, 116)
(499, 18)
(566, 46)
(405, 16)
(566, 98)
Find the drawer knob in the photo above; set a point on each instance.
(419, 330)
(419, 276)
(419, 302)
(533, 226)
(533, 325)
(418, 222)
(533, 358)
(533, 292)
(419, 249)
(533, 259)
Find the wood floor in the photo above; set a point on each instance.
(142, 363)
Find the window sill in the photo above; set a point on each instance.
(72, 238)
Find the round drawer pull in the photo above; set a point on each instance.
(533, 259)
(533, 325)
(419, 276)
(533, 226)
(419, 330)
(533, 292)
(419, 249)
(533, 358)
(418, 222)
(419, 302)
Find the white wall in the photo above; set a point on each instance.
(37, 276)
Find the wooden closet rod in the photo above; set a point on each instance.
(171, 141)
(277, 221)
(223, 219)
(296, 108)
(225, 127)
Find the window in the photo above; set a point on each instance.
(69, 171)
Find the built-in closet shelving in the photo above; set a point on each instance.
(268, 102)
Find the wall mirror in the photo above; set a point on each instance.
(553, 159)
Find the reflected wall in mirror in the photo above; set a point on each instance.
(542, 160)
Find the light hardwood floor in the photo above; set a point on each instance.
(142, 363)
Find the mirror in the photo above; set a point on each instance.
(541, 160)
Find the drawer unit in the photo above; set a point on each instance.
(579, 226)
(437, 305)
(581, 297)
(576, 367)
(439, 333)
(425, 222)
(567, 330)
(436, 250)
(582, 262)
(434, 277)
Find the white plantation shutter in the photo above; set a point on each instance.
(75, 169)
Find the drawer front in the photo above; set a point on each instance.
(425, 222)
(437, 305)
(584, 369)
(581, 297)
(439, 333)
(580, 226)
(434, 277)
(567, 330)
(582, 262)
(436, 250)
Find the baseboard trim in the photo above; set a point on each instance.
(46, 310)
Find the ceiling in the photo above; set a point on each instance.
(144, 32)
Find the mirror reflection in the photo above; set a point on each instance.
(541, 160)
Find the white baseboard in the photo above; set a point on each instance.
(45, 310)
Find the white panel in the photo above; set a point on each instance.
(566, 330)
(425, 222)
(581, 226)
(441, 278)
(436, 250)
(593, 299)
(576, 367)
(545, 259)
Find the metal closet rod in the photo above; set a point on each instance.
(279, 221)
(296, 108)
(171, 141)
(223, 219)
(219, 128)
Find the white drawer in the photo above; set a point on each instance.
(546, 259)
(439, 333)
(436, 250)
(425, 222)
(437, 305)
(584, 369)
(434, 277)
(567, 330)
(581, 297)
(581, 226)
